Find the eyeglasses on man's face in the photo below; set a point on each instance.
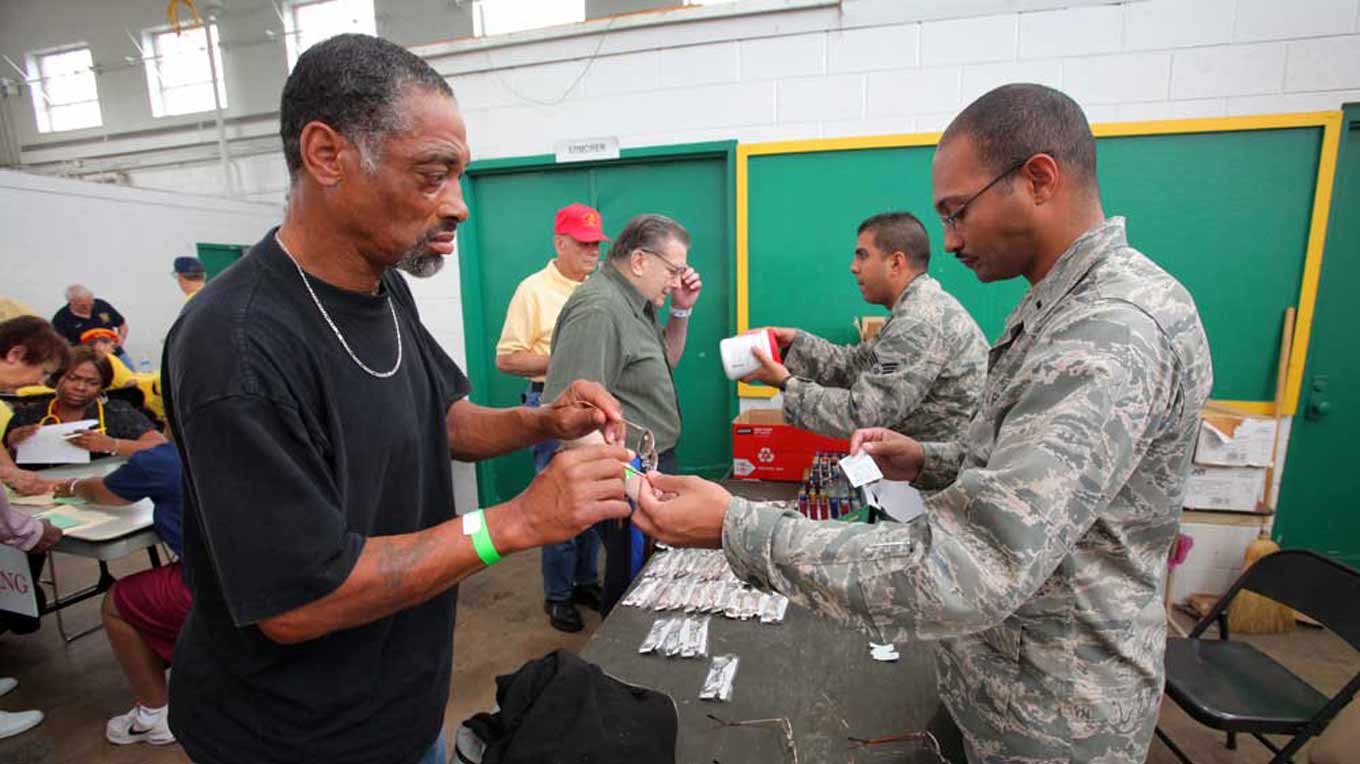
(675, 271)
(952, 220)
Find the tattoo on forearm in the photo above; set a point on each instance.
(396, 559)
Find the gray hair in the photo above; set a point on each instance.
(647, 231)
(76, 291)
(351, 83)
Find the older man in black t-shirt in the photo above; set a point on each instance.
(83, 311)
(316, 417)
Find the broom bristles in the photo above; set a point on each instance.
(1250, 613)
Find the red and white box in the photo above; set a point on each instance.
(764, 447)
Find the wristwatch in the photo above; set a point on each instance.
(681, 312)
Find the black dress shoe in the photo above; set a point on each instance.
(563, 616)
(587, 596)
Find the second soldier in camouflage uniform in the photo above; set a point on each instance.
(920, 375)
(1039, 570)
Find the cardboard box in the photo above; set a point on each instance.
(765, 448)
(1230, 437)
(869, 326)
(1235, 488)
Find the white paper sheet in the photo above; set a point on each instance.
(860, 469)
(898, 498)
(49, 446)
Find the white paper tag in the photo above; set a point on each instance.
(860, 469)
(472, 523)
(897, 498)
(880, 652)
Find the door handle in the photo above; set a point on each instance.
(1319, 408)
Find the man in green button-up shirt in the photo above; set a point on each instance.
(608, 332)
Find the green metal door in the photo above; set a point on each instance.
(216, 257)
(510, 236)
(1318, 494)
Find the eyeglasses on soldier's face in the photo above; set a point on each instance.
(952, 220)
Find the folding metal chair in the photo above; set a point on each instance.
(1232, 686)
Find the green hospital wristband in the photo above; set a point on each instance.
(474, 525)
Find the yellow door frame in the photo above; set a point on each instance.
(1329, 121)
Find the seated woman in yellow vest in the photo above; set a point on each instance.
(119, 428)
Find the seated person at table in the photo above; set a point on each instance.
(104, 342)
(119, 429)
(29, 351)
(144, 612)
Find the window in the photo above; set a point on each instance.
(492, 17)
(65, 96)
(308, 23)
(178, 74)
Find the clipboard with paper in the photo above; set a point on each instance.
(50, 444)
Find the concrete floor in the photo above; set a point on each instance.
(500, 625)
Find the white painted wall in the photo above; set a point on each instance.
(118, 241)
(871, 67)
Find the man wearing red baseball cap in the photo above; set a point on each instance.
(570, 575)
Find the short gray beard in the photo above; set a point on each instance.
(420, 264)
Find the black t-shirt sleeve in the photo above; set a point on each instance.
(268, 509)
(61, 321)
(115, 318)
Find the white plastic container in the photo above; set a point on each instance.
(737, 359)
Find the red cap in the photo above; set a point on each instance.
(580, 222)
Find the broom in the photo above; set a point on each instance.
(1250, 613)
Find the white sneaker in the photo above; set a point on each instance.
(7, 684)
(135, 726)
(12, 723)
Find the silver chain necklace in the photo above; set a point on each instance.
(395, 324)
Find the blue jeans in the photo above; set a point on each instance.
(571, 563)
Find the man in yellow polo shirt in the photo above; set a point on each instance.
(190, 275)
(570, 573)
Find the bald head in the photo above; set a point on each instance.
(1014, 122)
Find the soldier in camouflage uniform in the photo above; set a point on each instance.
(921, 375)
(1039, 569)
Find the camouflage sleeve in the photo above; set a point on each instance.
(826, 362)
(986, 543)
(897, 372)
(942, 464)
